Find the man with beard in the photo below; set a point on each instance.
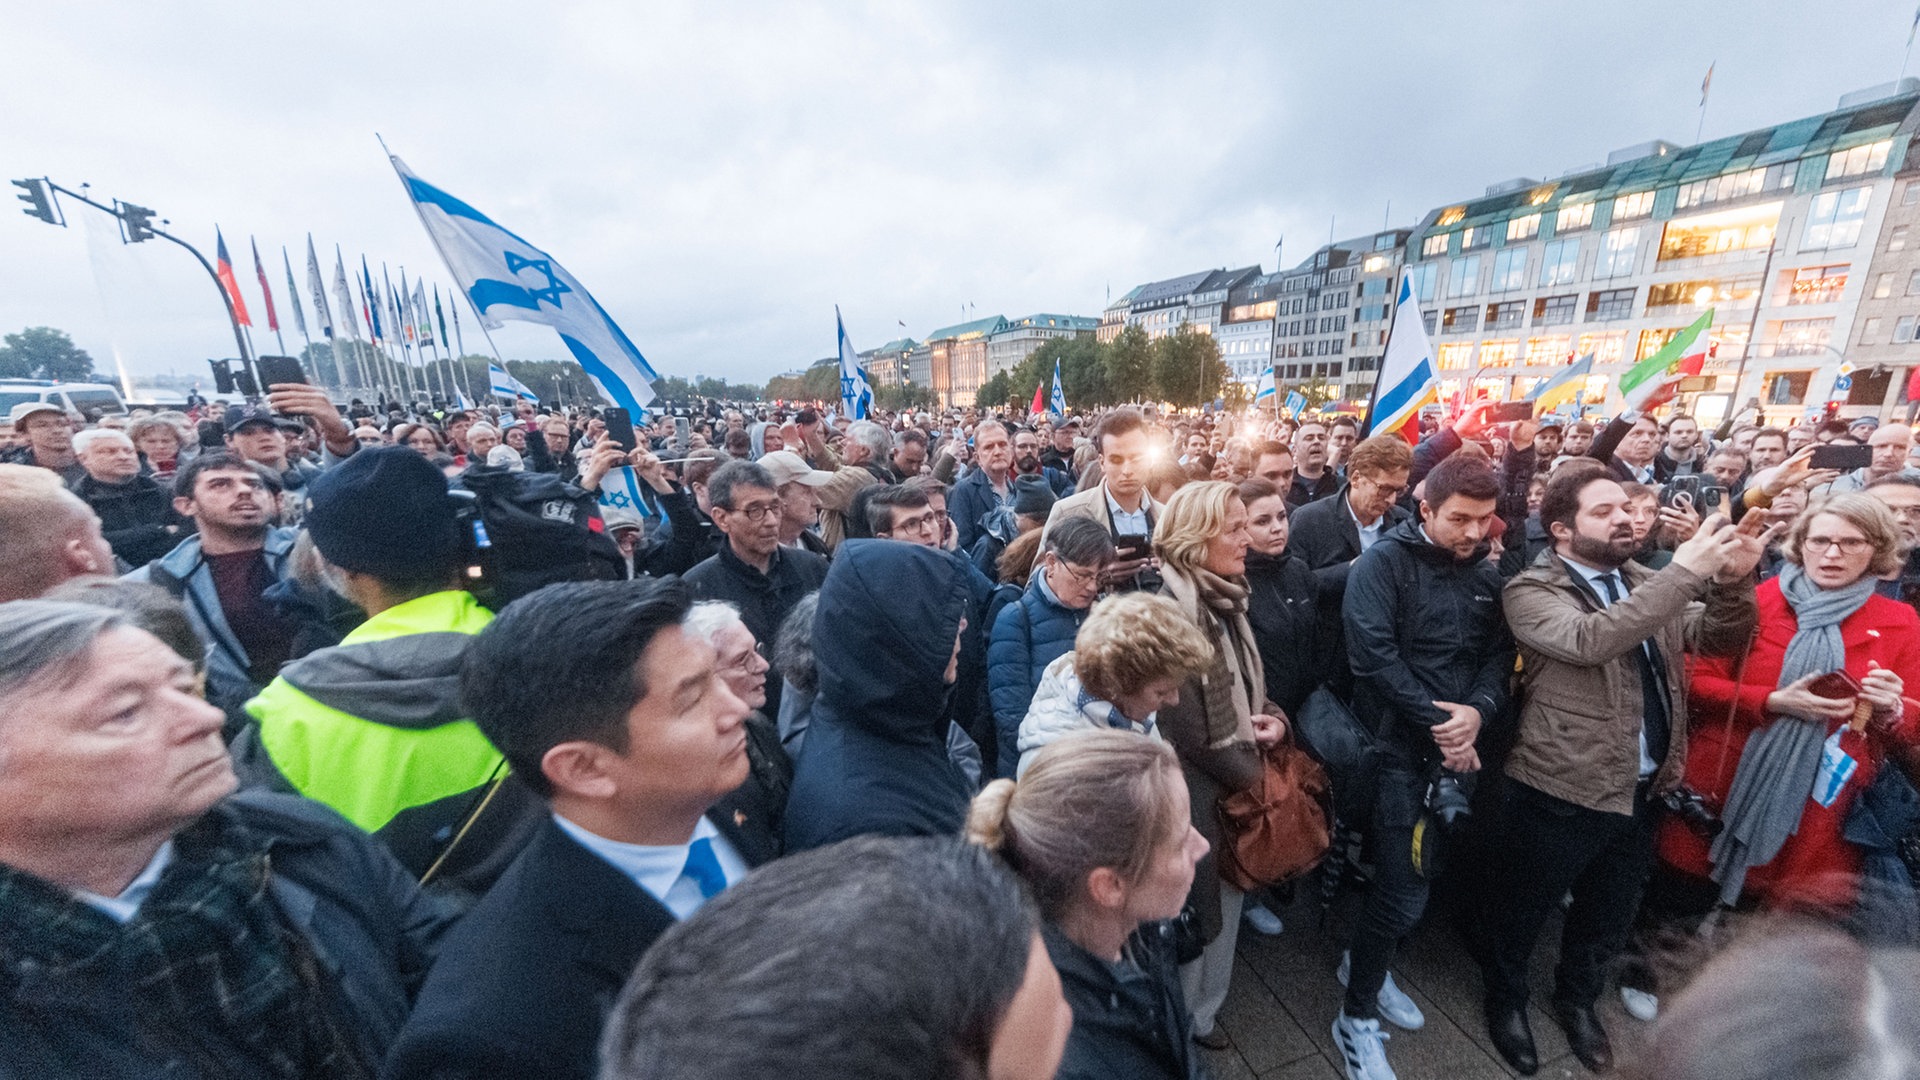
(221, 571)
(1312, 479)
(1602, 736)
(1547, 441)
(1026, 462)
(1059, 453)
(1579, 439)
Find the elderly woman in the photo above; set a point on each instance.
(1785, 761)
(1038, 627)
(1223, 717)
(1129, 661)
(1100, 828)
(165, 443)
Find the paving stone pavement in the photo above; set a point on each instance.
(1280, 1012)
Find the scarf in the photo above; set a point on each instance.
(1234, 687)
(207, 959)
(1775, 776)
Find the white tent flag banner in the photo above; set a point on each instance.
(508, 279)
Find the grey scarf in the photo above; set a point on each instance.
(1775, 777)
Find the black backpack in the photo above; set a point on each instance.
(530, 529)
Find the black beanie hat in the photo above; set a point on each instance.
(1032, 497)
(384, 512)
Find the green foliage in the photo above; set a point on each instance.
(821, 382)
(906, 396)
(1187, 369)
(1130, 366)
(41, 352)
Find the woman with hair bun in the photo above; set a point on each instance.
(1098, 827)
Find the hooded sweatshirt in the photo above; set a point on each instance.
(876, 759)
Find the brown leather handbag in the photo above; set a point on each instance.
(1282, 826)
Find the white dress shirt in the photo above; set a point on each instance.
(125, 906)
(659, 871)
(1127, 523)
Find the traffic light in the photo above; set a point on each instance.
(222, 376)
(139, 221)
(39, 200)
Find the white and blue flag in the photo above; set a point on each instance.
(508, 279)
(1265, 388)
(856, 393)
(1295, 402)
(506, 386)
(620, 490)
(1058, 404)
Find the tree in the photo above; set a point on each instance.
(1187, 370)
(1130, 365)
(41, 352)
(996, 392)
(905, 396)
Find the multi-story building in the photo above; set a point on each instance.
(1197, 299)
(889, 364)
(1113, 318)
(1245, 333)
(1884, 346)
(1777, 231)
(1331, 316)
(1019, 338)
(957, 359)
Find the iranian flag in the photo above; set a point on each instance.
(1653, 381)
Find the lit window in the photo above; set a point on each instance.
(1637, 205)
(1569, 218)
(1713, 234)
(1549, 351)
(1555, 310)
(1803, 337)
(1619, 251)
(1435, 245)
(1460, 320)
(1815, 284)
(1523, 228)
(1835, 217)
(1510, 269)
(1859, 161)
(1452, 215)
(1476, 236)
(1499, 353)
(1457, 357)
(1606, 349)
(1561, 261)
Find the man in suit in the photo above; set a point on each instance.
(1120, 500)
(1330, 534)
(602, 702)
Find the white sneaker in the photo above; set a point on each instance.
(1263, 920)
(1393, 1003)
(1363, 1048)
(1639, 1004)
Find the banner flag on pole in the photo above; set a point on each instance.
(1652, 381)
(422, 315)
(1039, 399)
(441, 314)
(1406, 383)
(317, 288)
(227, 280)
(1267, 387)
(260, 272)
(293, 293)
(406, 310)
(506, 386)
(1707, 83)
(1561, 389)
(507, 278)
(343, 294)
(1058, 405)
(1295, 402)
(370, 302)
(856, 392)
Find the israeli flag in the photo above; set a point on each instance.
(620, 490)
(856, 394)
(1296, 401)
(1058, 404)
(1265, 388)
(506, 386)
(507, 278)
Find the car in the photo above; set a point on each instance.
(91, 400)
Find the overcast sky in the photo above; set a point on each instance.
(720, 175)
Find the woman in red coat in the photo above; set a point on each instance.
(1788, 768)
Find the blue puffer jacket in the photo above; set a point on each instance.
(1027, 636)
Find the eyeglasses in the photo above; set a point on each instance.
(919, 523)
(755, 512)
(1904, 511)
(1084, 577)
(1850, 545)
(746, 660)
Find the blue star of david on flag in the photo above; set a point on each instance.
(856, 393)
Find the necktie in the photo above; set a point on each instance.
(1653, 683)
(704, 868)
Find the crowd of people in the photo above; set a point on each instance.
(412, 743)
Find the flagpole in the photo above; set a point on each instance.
(394, 316)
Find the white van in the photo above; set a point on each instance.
(91, 400)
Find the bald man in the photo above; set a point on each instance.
(47, 534)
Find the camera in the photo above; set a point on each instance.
(1448, 800)
(1694, 812)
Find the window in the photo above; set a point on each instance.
(1507, 316)
(1702, 293)
(1561, 261)
(1803, 337)
(1652, 341)
(1370, 313)
(1454, 357)
(1897, 238)
(1637, 205)
(1435, 245)
(1523, 228)
(1619, 251)
(1913, 283)
(1423, 277)
(1869, 330)
(1569, 218)
(1463, 278)
(1510, 269)
(1859, 161)
(1374, 287)
(1834, 218)
(1788, 387)
(1735, 185)
(1910, 194)
(1429, 319)
(1610, 305)
(1549, 351)
(1460, 320)
(1555, 310)
(1477, 236)
(1883, 286)
(1903, 329)
(1336, 347)
(1499, 353)
(1713, 234)
(1812, 285)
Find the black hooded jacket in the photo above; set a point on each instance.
(876, 756)
(1284, 607)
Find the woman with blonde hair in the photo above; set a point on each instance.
(1127, 663)
(1100, 830)
(164, 441)
(1222, 719)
